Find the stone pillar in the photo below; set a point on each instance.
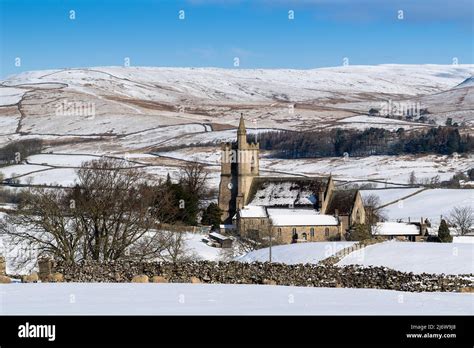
(45, 266)
(3, 266)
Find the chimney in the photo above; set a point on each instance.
(320, 199)
(336, 213)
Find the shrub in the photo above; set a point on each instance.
(359, 232)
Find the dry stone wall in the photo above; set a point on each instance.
(352, 276)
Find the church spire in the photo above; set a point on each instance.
(241, 129)
(241, 133)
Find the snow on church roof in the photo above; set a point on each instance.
(286, 191)
(300, 217)
(253, 211)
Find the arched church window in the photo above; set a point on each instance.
(311, 231)
(326, 232)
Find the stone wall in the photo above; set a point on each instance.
(261, 273)
(3, 266)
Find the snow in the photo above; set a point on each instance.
(362, 122)
(469, 82)
(289, 216)
(10, 96)
(300, 217)
(416, 257)
(200, 250)
(262, 84)
(395, 228)
(463, 239)
(390, 195)
(282, 193)
(296, 253)
(430, 204)
(8, 124)
(218, 236)
(58, 176)
(20, 169)
(253, 211)
(221, 299)
(61, 160)
(393, 169)
(128, 100)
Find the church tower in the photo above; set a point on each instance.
(239, 165)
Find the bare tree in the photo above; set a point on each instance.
(194, 177)
(256, 238)
(373, 213)
(175, 248)
(463, 218)
(102, 218)
(412, 178)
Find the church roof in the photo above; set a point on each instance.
(342, 200)
(253, 211)
(300, 217)
(286, 191)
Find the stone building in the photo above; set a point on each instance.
(404, 231)
(293, 209)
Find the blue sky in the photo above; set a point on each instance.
(214, 32)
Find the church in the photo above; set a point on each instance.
(290, 209)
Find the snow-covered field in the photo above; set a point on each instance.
(365, 122)
(221, 299)
(61, 160)
(10, 96)
(57, 176)
(390, 194)
(431, 204)
(394, 169)
(20, 169)
(447, 258)
(296, 253)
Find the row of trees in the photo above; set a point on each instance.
(435, 182)
(372, 141)
(17, 151)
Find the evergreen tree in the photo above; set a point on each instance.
(212, 216)
(360, 232)
(443, 233)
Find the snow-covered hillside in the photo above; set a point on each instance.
(447, 258)
(221, 299)
(168, 84)
(431, 204)
(127, 101)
